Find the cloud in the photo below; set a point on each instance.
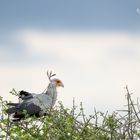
(93, 66)
(82, 47)
(70, 42)
(138, 10)
(33, 46)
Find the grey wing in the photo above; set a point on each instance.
(31, 108)
(26, 97)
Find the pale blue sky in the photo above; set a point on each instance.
(83, 14)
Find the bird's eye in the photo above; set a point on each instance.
(58, 81)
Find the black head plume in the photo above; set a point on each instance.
(50, 75)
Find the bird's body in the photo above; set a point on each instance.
(35, 104)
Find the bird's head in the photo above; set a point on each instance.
(55, 81)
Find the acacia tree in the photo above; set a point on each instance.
(72, 124)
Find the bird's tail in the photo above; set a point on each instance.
(13, 104)
(15, 117)
(11, 110)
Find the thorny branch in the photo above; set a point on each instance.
(71, 124)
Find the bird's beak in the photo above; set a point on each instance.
(61, 85)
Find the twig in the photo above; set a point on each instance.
(8, 128)
(132, 104)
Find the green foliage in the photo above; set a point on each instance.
(72, 124)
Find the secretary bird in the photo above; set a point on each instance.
(35, 104)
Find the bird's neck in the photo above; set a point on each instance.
(51, 91)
